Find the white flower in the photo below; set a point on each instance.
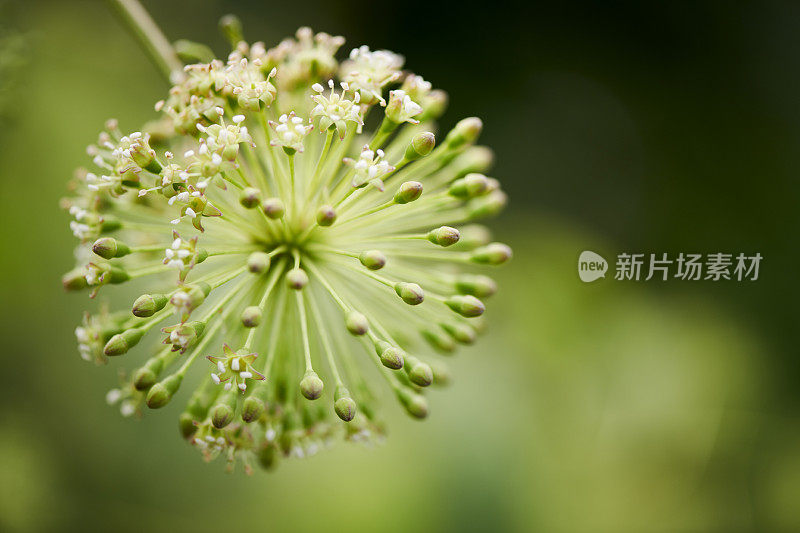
(335, 111)
(368, 72)
(370, 167)
(401, 108)
(290, 131)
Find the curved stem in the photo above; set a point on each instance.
(149, 35)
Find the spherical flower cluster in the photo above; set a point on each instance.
(287, 258)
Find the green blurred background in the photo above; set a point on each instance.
(618, 126)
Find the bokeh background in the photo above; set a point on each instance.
(618, 126)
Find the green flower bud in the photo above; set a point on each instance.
(439, 340)
(391, 356)
(122, 342)
(252, 408)
(441, 374)
(462, 333)
(161, 393)
(251, 316)
(187, 425)
(372, 259)
(416, 405)
(495, 253)
(344, 405)
(311, 386)
(326, 215)
(268, 456)
(444, 236)
(411, 293)
(466, 131)
(250, 197)
(147, 305)
(465, 305)
(476, 285)
(474, 159)
(408, 192)
(421, 145)
(146, 376)
(223, 411)
(231, 28)
(74, 280)
(356, 323)
(109, 248)
(435, 104)
(489, 205)
(273, 208)
(418, 372)
(469, 186)
(258, 262)
(473, 236)
(296, 278)
(109, 225)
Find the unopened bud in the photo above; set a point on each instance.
(441, 374)
(439, 340)
(391, 356)
(356, 323)
(473, 159)
(122, 342)
(408, 192)
(326, 215)
(311, 386)
(466, 131)
(231, 28)
(161, 393)
(495, 253)
(146, 376)
(476, 285)
(344, 405)
(223, 411)
(258, 262)
(250, 197)
(372, 259)
(465, 305)
(419, 373)
(461, 333)
(251, 316)
(444, 236)
(74, 280)
(416, 405)
(273, 208)
(421, 145)
(109, 248)
(252, 408)
(489, 205)
(411, 293)
(296, 278)
(474, 235)
(469, 186)
(147, 305)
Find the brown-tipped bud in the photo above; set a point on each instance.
(408, 192)
(273, 208)
(476, 285)
(372, 259)
(466, 305)
(122, 342)
(343, 404)
(466, 131)
(356, 323)
(161, 393)
(469, 186)
(495, 253)
(391, 356)
(311, 386)
(251, 316)
(223, 411)
(74, 280)
(444, 236)
(250, 197)
(416, 405)
(258, 262)
(146, 376)
(419, 373)
(147, 305)
(421, 145)
(411, 293)
(489, 205)
(252, 408)
(296, 278)
(109, 248)
(326, 215)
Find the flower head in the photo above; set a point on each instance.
(292, 273)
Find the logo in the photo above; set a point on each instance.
(591, 266)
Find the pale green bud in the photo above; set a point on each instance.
(462, 333)
(326, 215)
(474, 159)
(223, 411)
(465, 305)
(251, 316)
(161, 393)
(252, 408)
(489, 205)
(416, 405)
(122, 342)
(411, 293)
(273, 208)
(311, 386)
(421, 145)
(439, 340)
(408, 192)
(444, 236)
(146, 376)
(418, 372)
(258, 262)
(469, 186)
(495, 253)
(474, 235)
(344, 405)
(441, 374)
(231, 28)
(296, 278)
(391, 356)
(74, 280)
(250, 197)
(109, 248)
(356, 323)
(466, 131)
(147, 305)
(372, 259)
